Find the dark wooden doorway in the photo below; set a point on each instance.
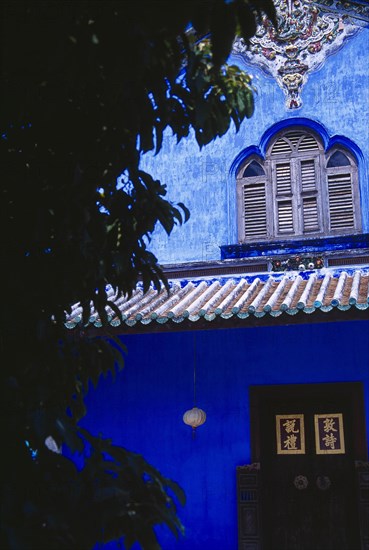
(306, 439)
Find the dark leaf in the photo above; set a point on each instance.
(223, 30)
(102, 85)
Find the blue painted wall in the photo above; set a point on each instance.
(336, 97)
(143, 409)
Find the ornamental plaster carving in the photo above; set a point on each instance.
(305, 37)
(357, 10)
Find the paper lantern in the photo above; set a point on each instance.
(194, 417)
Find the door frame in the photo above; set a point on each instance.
(249, 486)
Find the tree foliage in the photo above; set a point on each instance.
(88, 88)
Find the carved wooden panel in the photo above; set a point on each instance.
(248, 504)
(362, 476)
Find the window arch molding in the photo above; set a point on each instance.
(299, 190)
(287, 124)
(319, 129)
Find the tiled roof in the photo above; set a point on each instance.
(267, 294)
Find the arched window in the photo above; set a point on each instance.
(299, 190)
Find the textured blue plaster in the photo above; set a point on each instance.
(143, 409)
(335, 100)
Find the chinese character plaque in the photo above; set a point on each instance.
(290, 434)
(329, 436)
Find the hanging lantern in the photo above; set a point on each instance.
(194, 417)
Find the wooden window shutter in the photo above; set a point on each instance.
(341, 204)
(283, 179)
(298, 190)
(285, 217)
(309, 197)
(294, 138)
(283, 186)
(281, 147)
(255, 211)
(310, 216)
(308, 182)
(308, 143)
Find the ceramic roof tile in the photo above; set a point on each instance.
(244, 300)
(273, 299)
(291, 294)
(232, 296)
(242, 297)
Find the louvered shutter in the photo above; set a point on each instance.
(295, 142)
(310, 208)
(308, 182)
(285, 223)
(308, 143)
(280, 147)
(255, 212)
(310, 214)
(283, 179)
(298, 190)
(293, 138)
(285, 217)
(341, 204)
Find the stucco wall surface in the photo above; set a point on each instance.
(143, 409)
(336, 97)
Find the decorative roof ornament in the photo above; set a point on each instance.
(305, 37)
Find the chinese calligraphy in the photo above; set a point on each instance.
(329, 433)
(329, 437)
(329, 440)
(289, 426)
(290, 442)
(328, 425)
(290, 434)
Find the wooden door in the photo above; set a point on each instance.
(307, 440)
